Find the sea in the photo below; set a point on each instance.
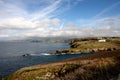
(12, 59)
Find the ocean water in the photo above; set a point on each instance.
(11, 58)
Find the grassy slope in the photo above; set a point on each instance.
(83, 46)
(89, 45)
(94, 44)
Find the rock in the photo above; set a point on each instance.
(58, 51)
(118, 77)
(67, 51)
(26, 55)
(109, 49)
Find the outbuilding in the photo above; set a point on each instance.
(102, 40)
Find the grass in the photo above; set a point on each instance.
(43, 73)
(104, 70)
(89, 46)
(115, 39)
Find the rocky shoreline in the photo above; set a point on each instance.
(78, 46)
(67, 51)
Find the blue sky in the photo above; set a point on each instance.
(56, 18)
(88, 9)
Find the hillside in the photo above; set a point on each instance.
(90, 45)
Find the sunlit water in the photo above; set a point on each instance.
(11, 58)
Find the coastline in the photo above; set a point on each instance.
(79, 46)
(103, 60)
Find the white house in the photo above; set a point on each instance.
(102, 40)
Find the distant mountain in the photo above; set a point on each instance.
(47, 39)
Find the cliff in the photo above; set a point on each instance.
(89, 45)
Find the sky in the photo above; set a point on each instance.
(59, 18)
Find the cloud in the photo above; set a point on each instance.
(25, 17)
(19, 19)
(46, 11)
(107, 9)
(101, 27)
(16, 23)
(34, 10)
(8, 10)
(1, 1)
(22, 23)
(104, 27)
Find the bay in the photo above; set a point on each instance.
(11, 58)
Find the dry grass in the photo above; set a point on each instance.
(89, 45)
(98, 69)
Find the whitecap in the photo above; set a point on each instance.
(45, 54)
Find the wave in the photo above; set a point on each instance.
(46, 54)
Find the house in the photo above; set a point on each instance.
(102, 40)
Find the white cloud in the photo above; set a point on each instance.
(107, 9)
(104, 28)
(22, 23)
(1, 1)
(46, 11)
(16, 22)
(41, 28)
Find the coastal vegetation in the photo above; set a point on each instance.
(90, 45)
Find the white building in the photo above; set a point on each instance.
(102, 40)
